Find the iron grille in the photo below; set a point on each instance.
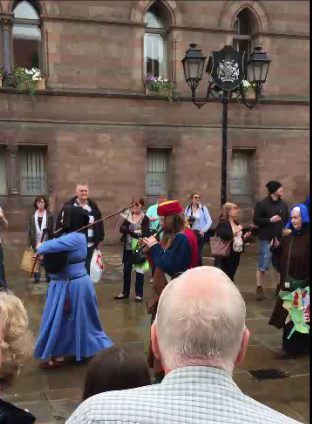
(268, 374)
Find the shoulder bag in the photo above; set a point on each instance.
(219, 247)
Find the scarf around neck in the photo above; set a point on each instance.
(39, 231)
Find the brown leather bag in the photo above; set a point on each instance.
(219, 247)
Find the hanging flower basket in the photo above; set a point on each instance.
(247, 88)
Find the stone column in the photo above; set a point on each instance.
(6, 27)
(13, 169)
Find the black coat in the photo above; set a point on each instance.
(225, 232)
(124, 229)
(32, 230)
(11, 414)
(98, 228)
(264, 210)
(299, 267)
(230, 263)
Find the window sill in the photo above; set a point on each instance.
(139, 95)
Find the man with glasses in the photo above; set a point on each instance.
(199, 220)
(4, 223)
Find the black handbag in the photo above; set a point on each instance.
(55, 262)
(138, 257)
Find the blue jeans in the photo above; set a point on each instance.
(264, 255)
(200, 245)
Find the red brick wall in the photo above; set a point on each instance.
(94, 53)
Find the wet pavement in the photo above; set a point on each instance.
(52, 395)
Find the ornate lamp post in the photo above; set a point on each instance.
(226, 71)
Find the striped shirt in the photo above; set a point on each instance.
(91, 219)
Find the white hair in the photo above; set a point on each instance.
(200, 320)
(296, 210)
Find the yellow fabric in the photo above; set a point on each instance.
(27, 261)
(167, 202)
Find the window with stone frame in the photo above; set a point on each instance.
(157, 173)
(245, 25)
(242, 176)
(32, 170)
(3, 170)
(27, 35)
(156, 55)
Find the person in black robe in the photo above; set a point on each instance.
(293, 258)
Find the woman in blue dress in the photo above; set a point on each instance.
(70, 324)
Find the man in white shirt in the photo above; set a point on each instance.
(4, 223)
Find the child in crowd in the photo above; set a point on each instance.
(116, 368)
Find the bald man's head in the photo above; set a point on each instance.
(200, 320)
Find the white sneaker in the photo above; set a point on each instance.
(151, 281)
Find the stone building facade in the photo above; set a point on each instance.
(94, 123)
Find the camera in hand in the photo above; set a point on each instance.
(191, 220)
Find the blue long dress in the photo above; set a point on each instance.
(77, 332)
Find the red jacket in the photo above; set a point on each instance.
(193, 242)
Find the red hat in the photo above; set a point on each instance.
(169, 208)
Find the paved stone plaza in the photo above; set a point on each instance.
(53, 394)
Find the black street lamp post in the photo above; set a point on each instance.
(226, 70)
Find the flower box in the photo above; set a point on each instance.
(30, 80)
(41, 85)
(162, 87)
(160, 92)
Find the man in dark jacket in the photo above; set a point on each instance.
(96, 233)
(270, 216)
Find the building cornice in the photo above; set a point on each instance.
(127, 23)
(283, 35)
(87, 20)
(47, 121)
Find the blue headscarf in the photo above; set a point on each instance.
(304, 218)
(307, 201)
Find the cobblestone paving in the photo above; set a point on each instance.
(52, 395)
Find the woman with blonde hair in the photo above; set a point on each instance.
(228, 229)
(16, 344)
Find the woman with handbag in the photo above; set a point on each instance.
(134, 227)
(41, 226)
(230, 232)
(292, 309)
(198, 218)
